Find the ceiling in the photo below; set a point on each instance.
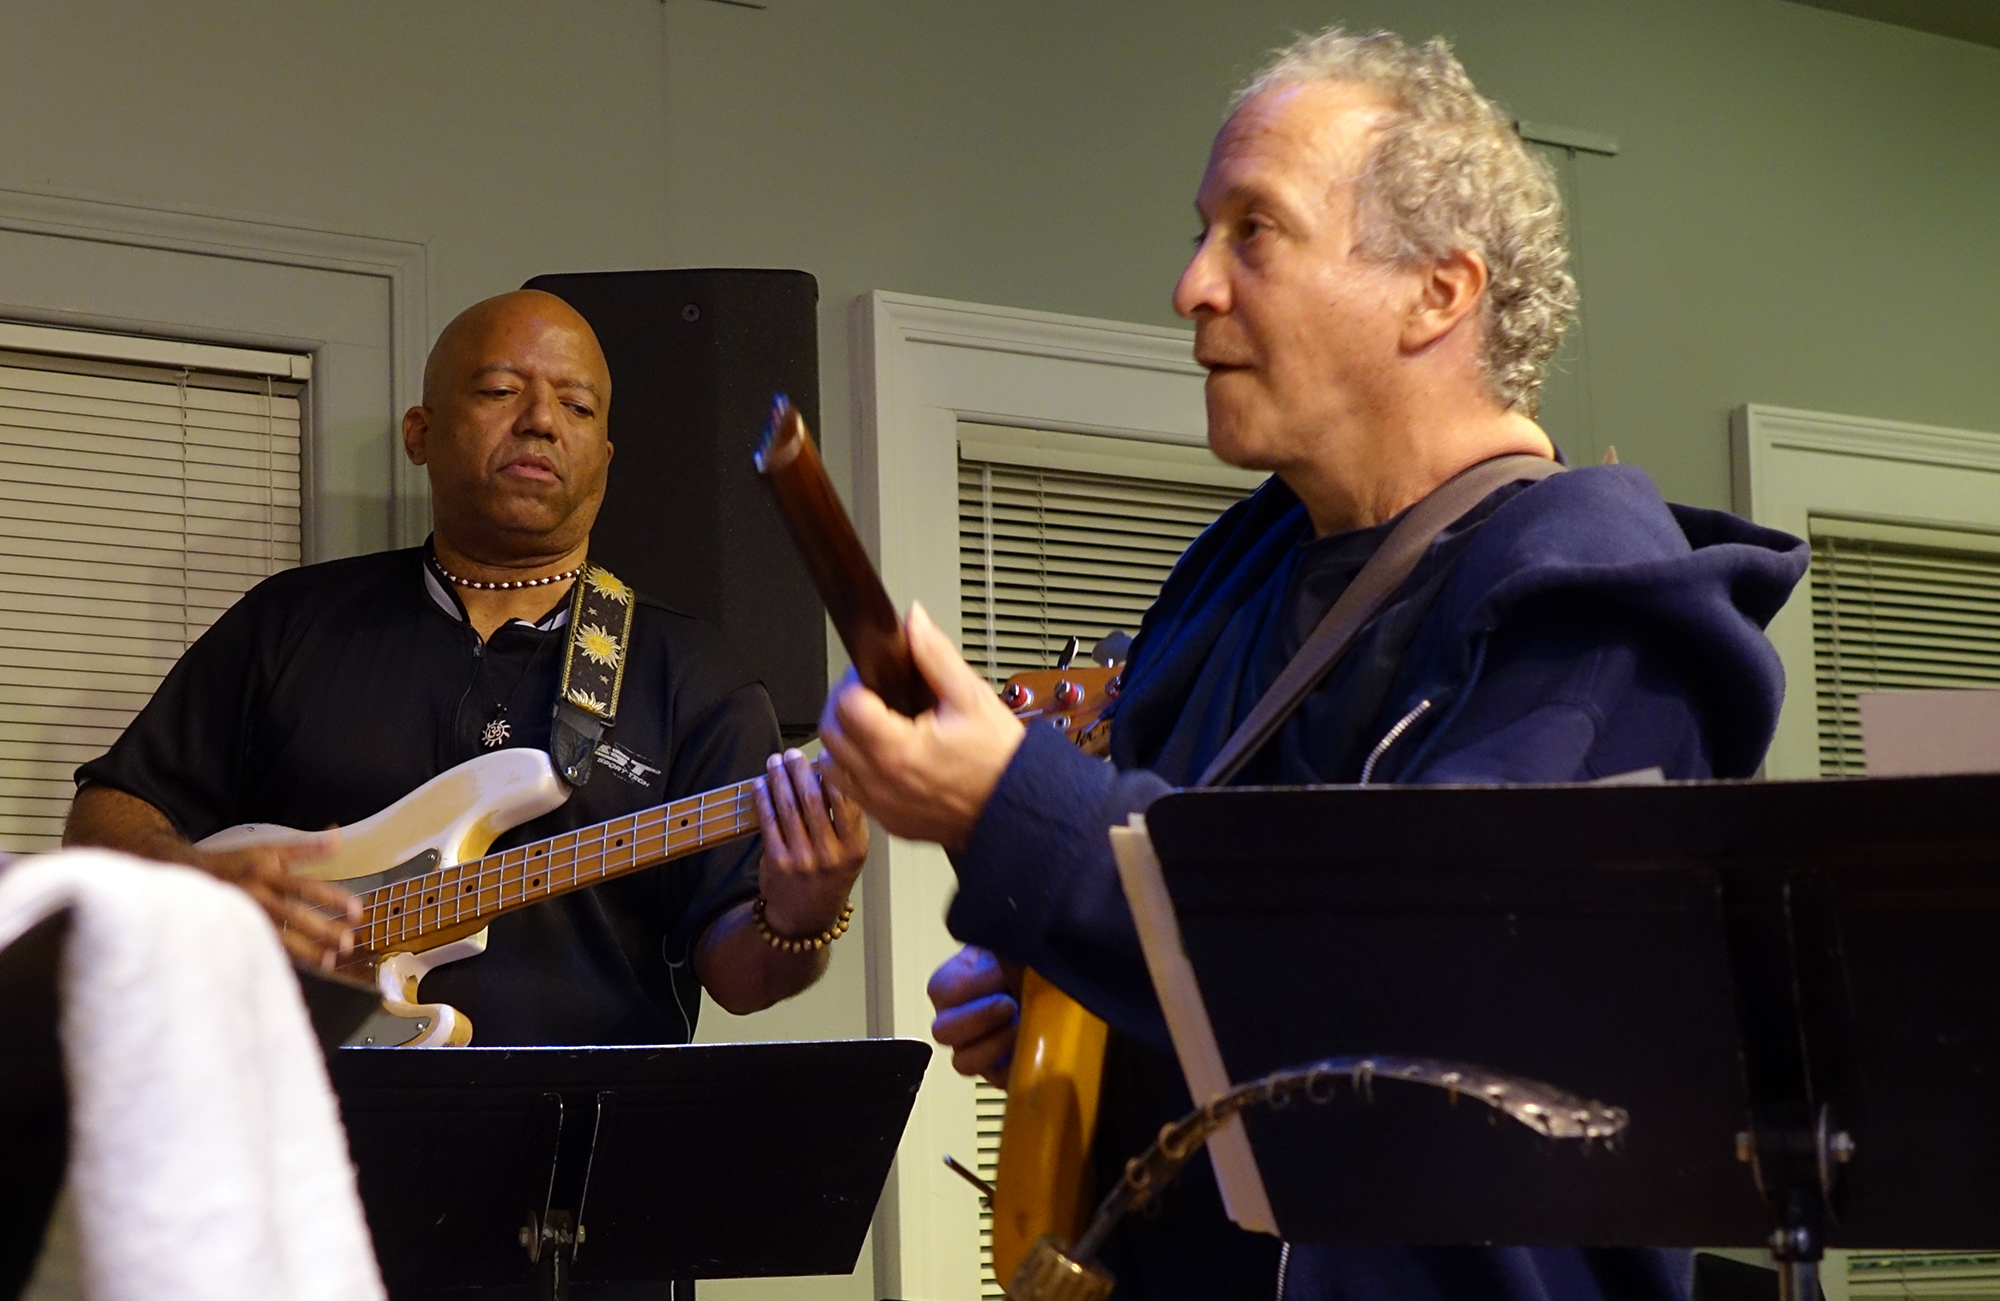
(1968, 20)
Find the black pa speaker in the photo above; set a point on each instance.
(695, 358)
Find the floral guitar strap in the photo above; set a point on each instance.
(593, 671)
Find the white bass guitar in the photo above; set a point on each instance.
(428, 887)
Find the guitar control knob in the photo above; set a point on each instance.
(1116, 685)
(1016, 696)
(1068, 694)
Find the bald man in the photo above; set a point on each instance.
(329, 692)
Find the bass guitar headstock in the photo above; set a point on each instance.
(1070, 698)
(1073, 697)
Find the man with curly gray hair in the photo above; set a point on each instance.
(1376, 288)
(1448, 172)
(1362, 184)
(1451, 173)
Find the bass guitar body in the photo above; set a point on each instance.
(450, 820)
(428, 882)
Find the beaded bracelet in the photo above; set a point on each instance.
(811, 943)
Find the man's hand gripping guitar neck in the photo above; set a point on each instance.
(315, 919)
(928, 778)
(815, 842)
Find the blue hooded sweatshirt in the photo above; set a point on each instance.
(1568, 630)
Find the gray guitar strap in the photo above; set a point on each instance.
(1381, 578)
(593, 671)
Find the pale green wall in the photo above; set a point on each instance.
(1800, 215)
(1802, 212)
(510, 136)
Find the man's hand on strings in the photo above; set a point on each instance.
(815, 841)
(977, 997)
(923, 778)
(315, 919)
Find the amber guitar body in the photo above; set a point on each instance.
(1043, 1181)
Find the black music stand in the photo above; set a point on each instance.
(1788, 985)
(606, 1173)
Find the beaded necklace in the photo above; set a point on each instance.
(509, 586)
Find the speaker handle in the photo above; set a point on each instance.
(855, 599)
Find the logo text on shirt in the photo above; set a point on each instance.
(625, 764)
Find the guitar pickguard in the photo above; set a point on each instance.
(415, 865)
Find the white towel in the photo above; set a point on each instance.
(206, 1154)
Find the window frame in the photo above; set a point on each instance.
(1788, 466)
(359, 305)
(85, 411)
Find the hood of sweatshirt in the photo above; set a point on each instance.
(1705, 582)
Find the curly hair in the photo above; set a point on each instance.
(1450, 174)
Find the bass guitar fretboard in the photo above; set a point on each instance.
(396, 916)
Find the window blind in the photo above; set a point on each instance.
(1934, 1275)
(1059, 536)
(989, 1109)
(1897, 607)
(137, 503)
(1064, 535)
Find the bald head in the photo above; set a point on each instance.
(462, 343)
(513, 428)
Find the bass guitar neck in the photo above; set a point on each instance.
(437, 907)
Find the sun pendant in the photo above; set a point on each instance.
(496, 733)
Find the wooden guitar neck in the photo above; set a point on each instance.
(855, 599)
(1042, 1184)
(422, 912)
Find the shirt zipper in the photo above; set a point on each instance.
(1393, 735)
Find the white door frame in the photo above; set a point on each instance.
(921, 366)
(1788, 466)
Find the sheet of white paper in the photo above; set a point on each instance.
(1927, 733)
(1242, 1183)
